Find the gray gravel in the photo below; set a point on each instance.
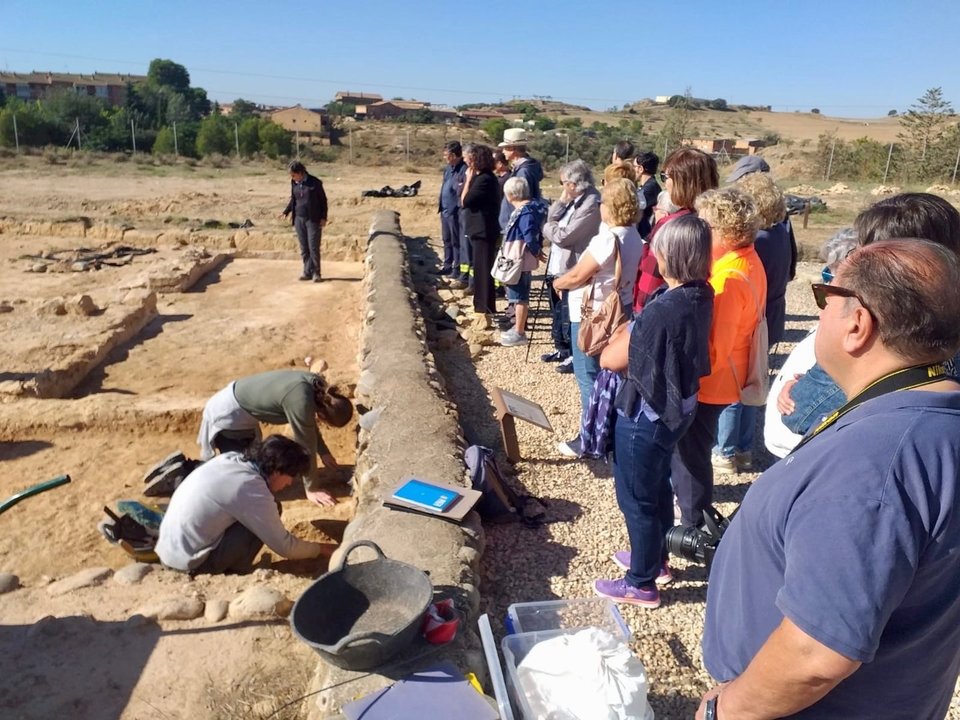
(562, 559)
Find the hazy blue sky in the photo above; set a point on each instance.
(846, 57)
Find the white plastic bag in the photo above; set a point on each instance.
(589, 675)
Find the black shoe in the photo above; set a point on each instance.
(317, 278)
(555, 356)
(305, 277)
(446, 271)
(566, 366)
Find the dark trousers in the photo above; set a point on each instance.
(560, 313)
(233, 441)
(308, 234)
(641, 471)
(691, 469)
(450, 230)
(235, 554)
(484, 293)
(466, 257)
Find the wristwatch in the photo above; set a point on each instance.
(710, 711)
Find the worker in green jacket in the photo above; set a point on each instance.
(297, 398)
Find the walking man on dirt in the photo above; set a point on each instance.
(308, 205)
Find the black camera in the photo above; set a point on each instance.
(699, 544)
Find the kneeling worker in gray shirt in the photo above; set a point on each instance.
(224, 512)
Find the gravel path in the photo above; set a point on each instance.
(562, 559)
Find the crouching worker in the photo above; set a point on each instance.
(301, 399)
(225, 511)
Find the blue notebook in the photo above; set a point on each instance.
(426, 495)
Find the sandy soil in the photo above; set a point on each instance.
(143, 402)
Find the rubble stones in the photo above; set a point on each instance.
(132, 574)
(216, 610)
(260, 601)
(85, 578)
(81, 305)
(174, 609)
(8, 583)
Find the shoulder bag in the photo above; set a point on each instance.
(597, 327)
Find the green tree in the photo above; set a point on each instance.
(923, 128)
(719, 104)
(164, 144)
(274, 140)
(215, 135)
(33, 128)
(678, 125)
(494, 128)
(243, 109)
(167, 73)
(249, 134)
(543, 123)
(341, 109)
(570, 123)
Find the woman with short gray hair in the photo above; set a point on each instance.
(663, 355)
(523, 226)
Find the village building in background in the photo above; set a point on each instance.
(110, 87)
(312, 127)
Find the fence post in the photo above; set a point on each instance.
(16, 136)
(133, 136)
(176, 147)
(236, 138)
(955, 166)
(833, 147)
(350, 141)
(79, 146)
(887, 169)
(806, 213)
(407, 157)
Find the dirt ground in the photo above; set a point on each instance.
(142, 402)
(80, 655)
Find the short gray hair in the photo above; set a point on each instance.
(665, 204)
(839, 246)
(579, 173)
(684, 246)
(517, 188)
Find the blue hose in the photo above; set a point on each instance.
(31, 491)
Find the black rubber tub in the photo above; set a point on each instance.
(359, 616)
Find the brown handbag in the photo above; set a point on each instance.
(596, 328)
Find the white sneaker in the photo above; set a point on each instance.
(511, 337)
(570, 449)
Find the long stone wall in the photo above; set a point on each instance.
(408, 427)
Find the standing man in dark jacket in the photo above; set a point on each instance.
(514, 146)
(449, 206)
(308, 205)
(649, 189)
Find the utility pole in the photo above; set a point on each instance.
(133, 136)
(350, 141)
(16, 136)
(955, 166)
(407, 160)
(830, 163)
(176, 147)
(236, 138)
(79, 147)
(887, 169)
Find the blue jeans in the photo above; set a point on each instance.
(520, 293)
(641, 471)
(308, 235)
(735, 430)
(585, 368)
(814, 396)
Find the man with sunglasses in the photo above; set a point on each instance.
(835, 592)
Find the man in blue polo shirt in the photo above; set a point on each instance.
(835, 593)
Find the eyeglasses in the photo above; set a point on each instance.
(664, 177)
(827, 275)
(821, 291)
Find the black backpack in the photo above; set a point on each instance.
(499, 502)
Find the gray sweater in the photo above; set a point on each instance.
(571, 240)
(217, 494)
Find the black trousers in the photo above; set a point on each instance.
(308, 235)
(560, 313)
(235, 553)
(484, 293)
(691, 468)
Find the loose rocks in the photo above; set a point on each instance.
(260, 601)
(174, 609)
(8, 583)
(216, 610)
(132, 574)
(85, 578)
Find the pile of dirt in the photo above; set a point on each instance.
(837, 189)
(886, 190)
(803, 190)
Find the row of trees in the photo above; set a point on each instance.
(163, 115)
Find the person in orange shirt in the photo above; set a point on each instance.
(739, 282)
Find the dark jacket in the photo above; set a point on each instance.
(526, 224)
(773, 247)
(311, 192)
(480, 207)
(530, 170)
(669, 351)
(453, 176)
(650, 191)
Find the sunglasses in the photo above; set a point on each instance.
(821, 291)
(827, 275)
(664, 177)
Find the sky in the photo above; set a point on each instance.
(849, 58)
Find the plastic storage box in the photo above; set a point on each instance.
(566, 615)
